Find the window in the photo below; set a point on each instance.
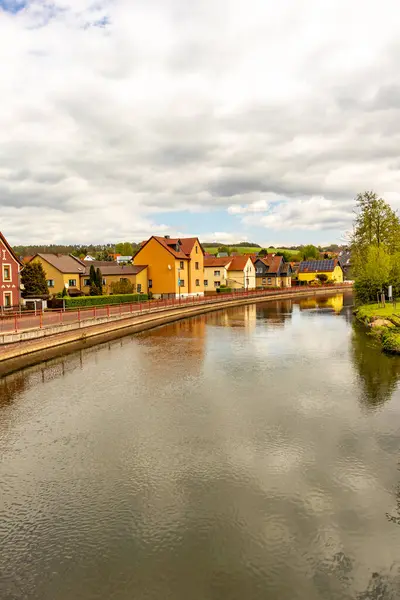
(150, 283)
(123, 279)
(264, 281)
(197, 281)
(50, 283)
(181, 264)
(197, 250)
(206, 283)
(196, 266)
(104, 281)
(6, 272)
(139, 288)
(85, 282)
(72, 282)
(217, 273)
(217, 283)
(269, 280)
(7, 299)
(259, 270)
(181, 283)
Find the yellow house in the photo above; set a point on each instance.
(112, 272)
(241, 273)
(272, 271)
(215, 272)
(62, 270)
(310, 269)
(175, 266)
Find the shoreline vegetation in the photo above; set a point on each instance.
(384, 324)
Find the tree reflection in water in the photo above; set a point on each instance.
(379, 373)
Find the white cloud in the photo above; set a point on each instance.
(114, 111)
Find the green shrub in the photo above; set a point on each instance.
(224, 290)
(104, 300)
(391, 342)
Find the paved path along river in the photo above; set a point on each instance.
(248, 454)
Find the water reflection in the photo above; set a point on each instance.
(334, 302)
(379, 374)
(226, 457)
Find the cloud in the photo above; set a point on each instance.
(115, 111)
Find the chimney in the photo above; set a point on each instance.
(167, 237)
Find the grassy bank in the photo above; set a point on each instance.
(384, 323)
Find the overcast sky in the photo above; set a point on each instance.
(228, 119)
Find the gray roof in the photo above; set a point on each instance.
(65, 263)
(113, 268)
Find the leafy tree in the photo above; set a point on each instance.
(375, 223)
(104, 255)
(323, 277)
(287, 257)
(122, 287)
(33, 277)
(373, 274)
(64, 292)
(224, 249)
(263, 253)
(309, 252)
(124, 248)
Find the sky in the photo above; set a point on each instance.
(230, 120)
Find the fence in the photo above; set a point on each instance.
(18, 321)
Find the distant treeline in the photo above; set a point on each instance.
(77, 249)
(239, 244)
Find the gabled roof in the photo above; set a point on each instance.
(168, 244)
(113, 268)
(11, 251)
(217, 262)
(65, 263)
(274, 263)
(318, 266)
(238, 263)
(345, 258)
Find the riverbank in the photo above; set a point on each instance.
(50, 343)
(384, 323)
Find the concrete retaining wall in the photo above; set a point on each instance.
(33, 346)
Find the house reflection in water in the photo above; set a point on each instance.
(240, 316)
(334, 303)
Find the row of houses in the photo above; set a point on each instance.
(165, 267)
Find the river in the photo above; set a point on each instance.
(247, 454)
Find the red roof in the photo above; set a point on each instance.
(273, 262)
(217, 262)
(238, 263)
(170, 244)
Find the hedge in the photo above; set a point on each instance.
(101, 300)
(224, 290)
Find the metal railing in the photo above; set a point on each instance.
(19, 321)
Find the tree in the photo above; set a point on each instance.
(104, 255)
(263, 253)
(323, 277)
(373, 274)
(375, 223)
(122, 287)
(95, 289)
(287, 257)
(124, 248)
(309, 252)
(99, 281)
(33, 277)
(225, 250)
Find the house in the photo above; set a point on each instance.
(124, 259)
(272, 271)
(112, 272)
(241, 273)
(345, 263)
(215, 272)
(10, 268)
(175, 266)
(62, 271)
(89, 257)
(309, 270)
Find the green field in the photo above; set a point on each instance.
(249, 250)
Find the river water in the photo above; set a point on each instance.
(249, 454)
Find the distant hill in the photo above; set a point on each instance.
(250, 249)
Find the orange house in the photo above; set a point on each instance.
(175, 266)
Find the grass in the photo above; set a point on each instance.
(367, 312)
(389, 334)
(250, 250)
